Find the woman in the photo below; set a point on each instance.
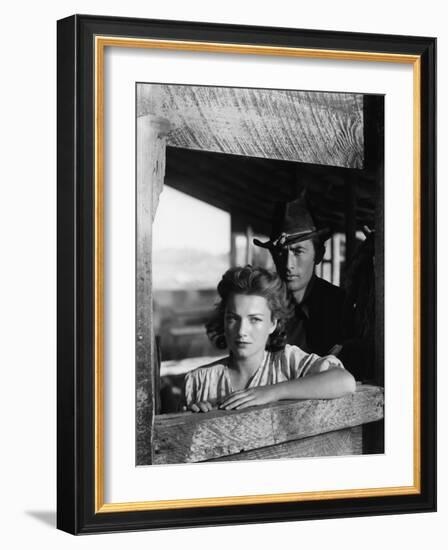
(250, 320)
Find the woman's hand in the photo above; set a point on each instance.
(250, 397)
(200, 406)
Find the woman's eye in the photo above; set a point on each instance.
(255, 320)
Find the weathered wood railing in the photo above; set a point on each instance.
(283, 429)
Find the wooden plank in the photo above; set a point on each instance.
(319, 416)
(339, 443)
(313, 127)
(193, 437)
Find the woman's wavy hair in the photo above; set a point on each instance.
(252, 281)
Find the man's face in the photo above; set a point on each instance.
(295, 264)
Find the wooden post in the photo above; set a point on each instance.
(151, 144)
(350, 219)
(373, 434)
(249, 245)
(237, 227)
(374, 140)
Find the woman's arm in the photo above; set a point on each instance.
(326, 384)
(327, 381)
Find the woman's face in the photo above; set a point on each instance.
(247, 324)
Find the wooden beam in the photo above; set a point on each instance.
(323, 128)
(339, 443)
(194, 437)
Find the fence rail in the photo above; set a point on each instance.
(287, 428)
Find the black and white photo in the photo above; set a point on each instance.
(259, 273)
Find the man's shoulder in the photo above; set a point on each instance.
(324, 286)
(326, 297)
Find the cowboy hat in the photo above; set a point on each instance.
(292, 220)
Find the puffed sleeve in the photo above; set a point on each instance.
(325, 363)
(301, 363)
(189, 393)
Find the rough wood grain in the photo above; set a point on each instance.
(339, 443)
(313, 127)
(313, 417)
(190, 437)
(151, 138)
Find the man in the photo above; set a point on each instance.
(297, 246)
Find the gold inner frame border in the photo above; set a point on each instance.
(100, 43)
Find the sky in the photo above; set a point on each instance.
(182, 221)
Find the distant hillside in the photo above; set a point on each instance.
(187, 268)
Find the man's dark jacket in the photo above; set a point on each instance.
(317, 324)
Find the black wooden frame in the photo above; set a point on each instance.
(76, 261)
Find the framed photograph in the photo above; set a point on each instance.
(246, 274)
